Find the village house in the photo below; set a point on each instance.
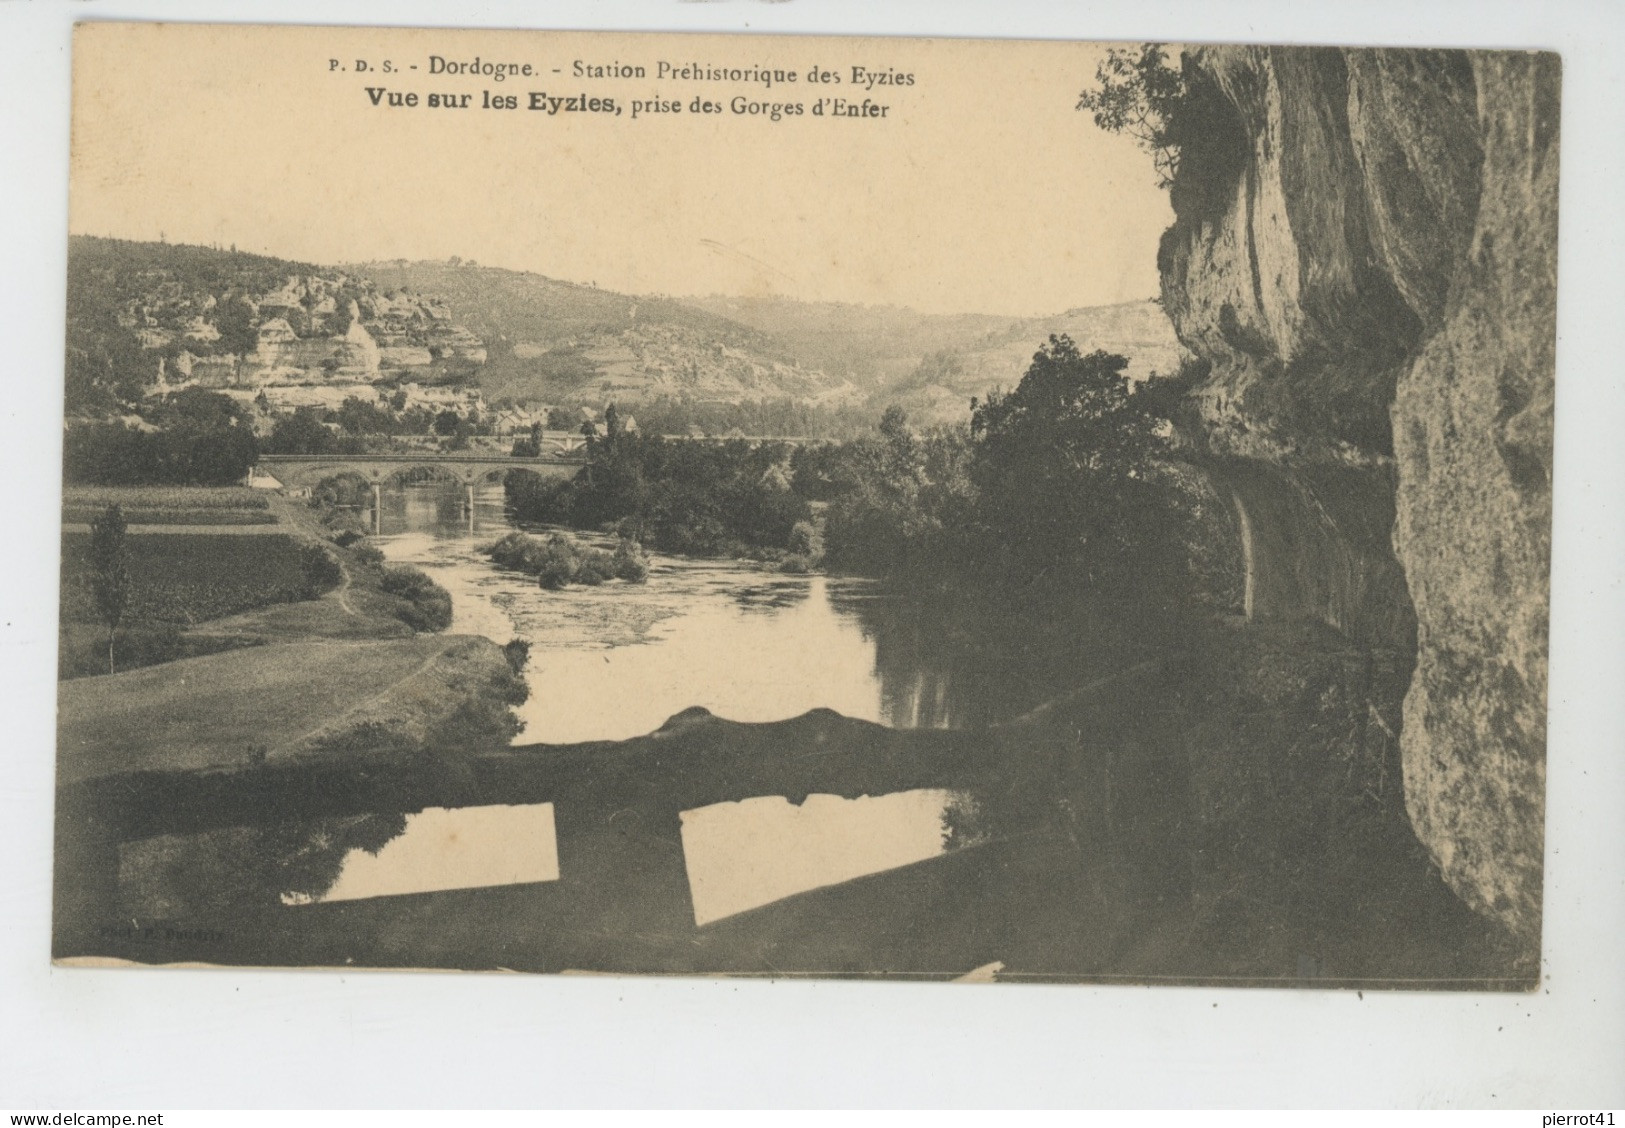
(514, 420)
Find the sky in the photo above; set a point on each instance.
(981, 189)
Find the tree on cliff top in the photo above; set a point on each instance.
(1141, 95)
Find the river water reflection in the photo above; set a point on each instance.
(734, 637)
(743, 641)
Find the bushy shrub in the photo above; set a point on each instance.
(517, 551)
(556, 572)
(428, 605)
(350, 491)
(630, 562)
(367, 554)
(430, 613)
(517, 652)
(477, 722)
(558, 560)
(803, 538)
(321, 570)
(408, 583)
(594, 567)
(796, 564)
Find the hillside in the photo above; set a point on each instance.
(150, 318)
(941, 384)
(870, 345)
(145, 317)
(563, 342)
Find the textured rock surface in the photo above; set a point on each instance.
(1365, 251)
(1473, 432)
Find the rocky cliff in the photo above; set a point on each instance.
(1365, 252)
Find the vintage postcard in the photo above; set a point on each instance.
(770, 506)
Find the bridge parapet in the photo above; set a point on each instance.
(301, 471)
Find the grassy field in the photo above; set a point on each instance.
(168, 505)
(176, 580)
(165, 497)
(266, 703)
(187, 578)
(206, 587)
(137, 518)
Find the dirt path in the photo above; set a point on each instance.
(342, 592)
(360, 708)
(221, 710)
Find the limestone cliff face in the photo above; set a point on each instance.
(308, 329)
(1365, 252)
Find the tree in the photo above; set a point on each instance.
(1141, 95)
(301, 433)
(340, 320)
(1067, 480)
(110, 572)
(200, 409)
(898, 499)
(234, 320)
(460, 435)
(529, 446)
(216, 457)
(446, 423)
(359, 417)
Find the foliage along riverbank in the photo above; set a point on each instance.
(289, 596)
(1066, 490)
(730, 498)
(1063, 491)
(558, 560)
(179, 585)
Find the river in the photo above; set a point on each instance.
(744, 641)
(737, 638)
(1184, 827)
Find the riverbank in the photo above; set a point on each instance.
(296, 643)
(1227, 808)
(292, 701)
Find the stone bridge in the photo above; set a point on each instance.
(301, 471)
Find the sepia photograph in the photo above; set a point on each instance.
(806, 507)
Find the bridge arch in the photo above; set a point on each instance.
(304, 471)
